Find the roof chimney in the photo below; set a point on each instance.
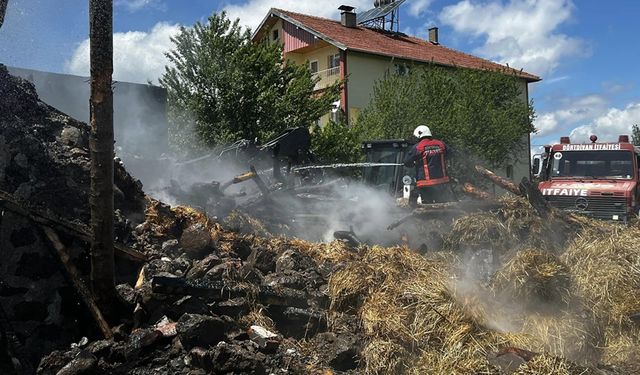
(433, 35)
(348, 16)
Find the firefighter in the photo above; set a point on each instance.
(429, 158)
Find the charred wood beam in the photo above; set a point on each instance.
(3, 10)
(472, 191)
(10, 203)
(74, 275)
(102, 153)
(500, 181)
(221, 291)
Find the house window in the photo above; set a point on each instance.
(510, 171)
(336, 112)
(313, 66)
(275, 34)
(402, 69)
(334, 64)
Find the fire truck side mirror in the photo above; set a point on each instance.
(536, 167)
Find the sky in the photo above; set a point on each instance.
(586, 51)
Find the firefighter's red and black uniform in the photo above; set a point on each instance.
(429, 157)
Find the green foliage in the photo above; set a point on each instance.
(477, 112)
(222, 87)
(336, 143)
(635, 135)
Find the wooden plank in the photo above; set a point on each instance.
(472, 191)
(81, 288)
(500, 181)
(76, 230)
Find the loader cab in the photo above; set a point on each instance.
(386, 178)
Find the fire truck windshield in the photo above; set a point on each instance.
(592, 164)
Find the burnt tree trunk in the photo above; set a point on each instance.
(102, 153)
(3, 9)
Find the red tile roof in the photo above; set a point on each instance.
(398, 45)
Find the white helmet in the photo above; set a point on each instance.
(422, 131)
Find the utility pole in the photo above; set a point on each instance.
(102, 154)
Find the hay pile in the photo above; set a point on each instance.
(479, 230)
(166, 221)
(576, 306)
(536, 278)
(419, 320)
(605, 267)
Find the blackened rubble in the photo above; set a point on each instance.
(44, 165)
(207, 300)
(231, 311)
(44, 158)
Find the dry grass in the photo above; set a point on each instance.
(606, 273)
(165, 221)
(547, 364)
(479, 230)
(566, 335)
(622, 347)
(414, 312)
(257, 317)
(384, 357)
(534, 278)
(406, 300)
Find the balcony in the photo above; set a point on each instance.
(326, 77)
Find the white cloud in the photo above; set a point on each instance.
(418, 7)
(555, 79)
(137, 57)
(610, 125)
(521, 33)
(614, 88)
(252, 12)
(136, 5)
(572, 112)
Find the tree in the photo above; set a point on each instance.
(336, 143)
(102, 154)
(479, 113)
(225, 87)
(635, 135)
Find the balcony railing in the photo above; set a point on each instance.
(326, 77)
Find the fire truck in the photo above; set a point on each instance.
(595, 179)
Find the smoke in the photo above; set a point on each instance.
(347, 205)
(559, 326)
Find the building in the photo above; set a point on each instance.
(335, 49)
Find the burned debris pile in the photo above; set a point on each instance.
(213, 301)
(507, 287)
(44, 156)
(44, 182)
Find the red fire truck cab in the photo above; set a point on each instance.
(596, 179)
